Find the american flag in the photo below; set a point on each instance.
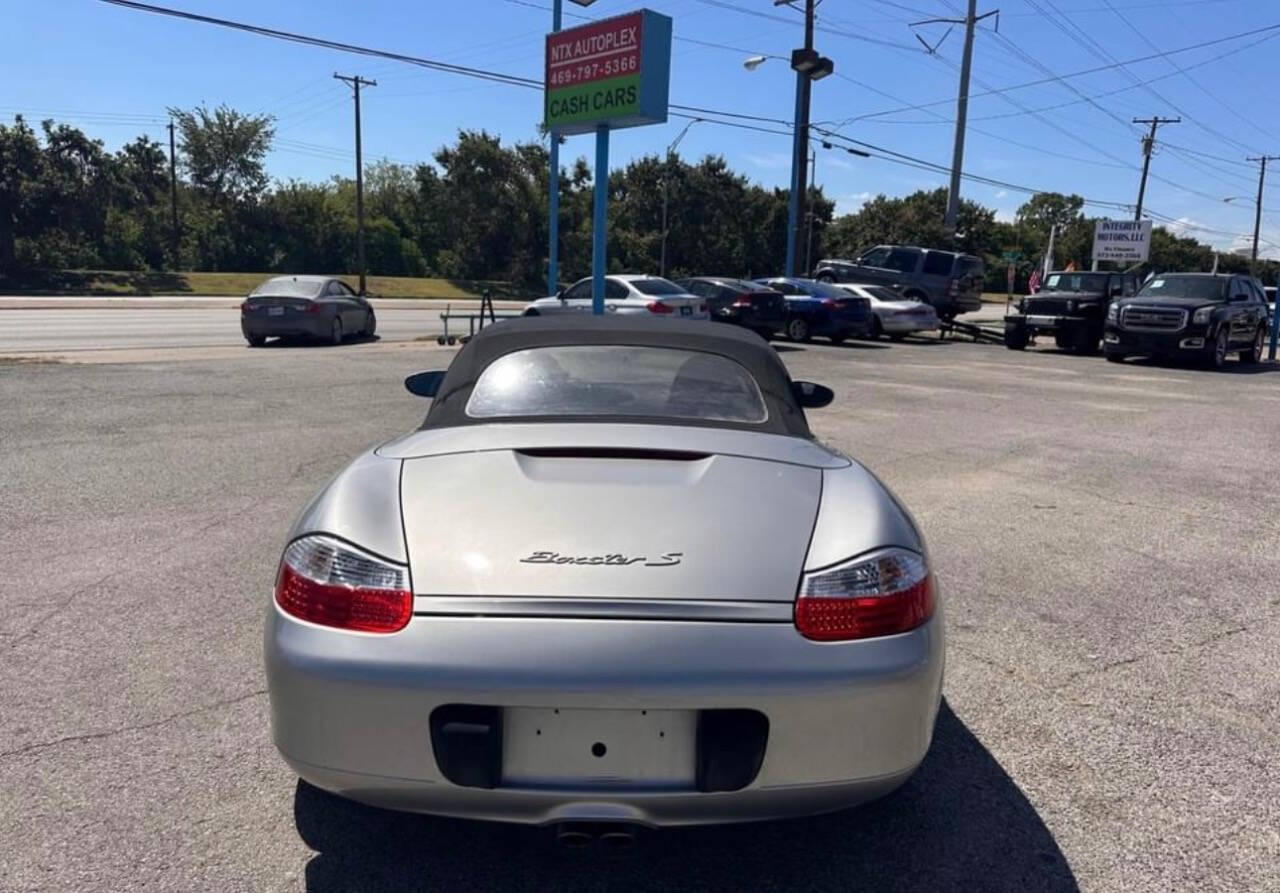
(1033, 283)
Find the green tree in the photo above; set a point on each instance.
(224, 151)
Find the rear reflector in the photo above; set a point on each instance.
(659, 307)
(323, 580)
(883, 594)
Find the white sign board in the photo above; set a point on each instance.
(1124, 241)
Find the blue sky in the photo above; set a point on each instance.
(113, 72)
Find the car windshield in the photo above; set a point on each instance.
(655, 286)
(613, 380)
(289, 287)
(1090, 282)
(1206, 288)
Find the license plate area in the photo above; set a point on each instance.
(275, 311)
(686, 311)
(599, 748)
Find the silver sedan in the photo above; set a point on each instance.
(892, 314)
(613, 579)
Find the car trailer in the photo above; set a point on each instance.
(475, 321)
(978, 334)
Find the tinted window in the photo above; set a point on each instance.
(289, 287)
(876, 257)
(903, 260)
(781, 285)
(1090, 282)
(1206, 288)
(968, 266)
(655, 286)
(938, 263)
(603, 380)
(615, 290)
(579, 290)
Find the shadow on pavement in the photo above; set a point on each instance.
(960, 823)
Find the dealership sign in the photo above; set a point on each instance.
(613, 72)
(1123, 241)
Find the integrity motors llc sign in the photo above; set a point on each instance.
(614, 72)
(1122, 241)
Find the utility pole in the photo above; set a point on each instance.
(174, 235)
(1257, 217)
(809, 67)
(813, 186)
(969, 22)
(356, 82)
(1148, 144)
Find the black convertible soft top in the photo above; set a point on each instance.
(743, 347)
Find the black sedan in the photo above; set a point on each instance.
(817, 308)
(316, 307)
(747, 304)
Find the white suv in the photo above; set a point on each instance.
(625, 293)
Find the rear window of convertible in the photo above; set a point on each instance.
(614, 380)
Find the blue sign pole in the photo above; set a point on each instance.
(553, 206)
(599, 222)
(793, 208)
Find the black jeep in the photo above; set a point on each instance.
(1072, 307)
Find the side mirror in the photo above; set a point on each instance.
(812, 396)
(423, 384)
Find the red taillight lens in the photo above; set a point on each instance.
(659, 307)
(830, 302)
(886, 593)
(313, 308)
(742, 301)
(244, 306)
(325, 581)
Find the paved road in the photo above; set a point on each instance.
(81, 328)
(90, 329)
(1105, 538)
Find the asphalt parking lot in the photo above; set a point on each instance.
(1107, 539)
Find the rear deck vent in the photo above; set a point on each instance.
(613, 453)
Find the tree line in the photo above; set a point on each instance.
(476, 210)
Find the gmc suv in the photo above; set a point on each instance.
(950, 281)
(1200, 316)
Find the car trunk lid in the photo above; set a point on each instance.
(610, 521)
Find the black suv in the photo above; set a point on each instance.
(1201, 316)
(950, 281)
(1072, 307)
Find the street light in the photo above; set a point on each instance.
(809, 66)
(662, 262)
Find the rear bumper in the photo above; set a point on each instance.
(848, 722)
(841, 325)
(756, 321)
(899, 325)
(295, 326)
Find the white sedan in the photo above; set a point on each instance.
(891, 313)
(625, 293)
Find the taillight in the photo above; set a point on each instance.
(659, 307)
(313, 308)
(244, 307)
(885, 593)
(325, 581)
(830, 302)
(742, 301)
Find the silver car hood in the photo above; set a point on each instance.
(558, 511)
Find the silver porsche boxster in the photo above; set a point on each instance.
(613, 578)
